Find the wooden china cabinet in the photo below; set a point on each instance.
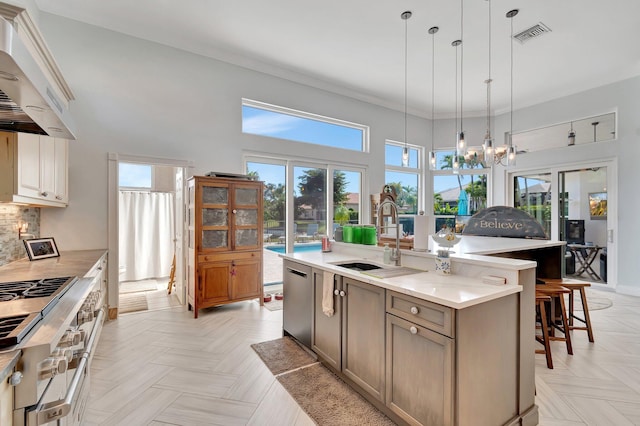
(225, 241)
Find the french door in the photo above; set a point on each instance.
(577, 204)
(299, 208)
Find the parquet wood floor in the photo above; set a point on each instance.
(163, 367)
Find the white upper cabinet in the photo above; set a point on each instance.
(34, 169)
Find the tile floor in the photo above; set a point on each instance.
(163, 367)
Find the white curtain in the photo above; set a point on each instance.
(146, 234)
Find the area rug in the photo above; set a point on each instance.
(137, 286)
(320, 393)
(594, 303)
(274, 305)
(282, 355)
(328, 400)
(132, 302)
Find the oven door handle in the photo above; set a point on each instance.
(55, 410)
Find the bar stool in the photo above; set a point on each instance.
(557, 293)
(541, 314)
(575, 285)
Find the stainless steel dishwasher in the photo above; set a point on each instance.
(298, 301)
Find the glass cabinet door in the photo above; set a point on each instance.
(246, 220)
(215, 217)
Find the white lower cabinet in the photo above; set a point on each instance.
(352, 341)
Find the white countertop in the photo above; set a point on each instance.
(454, 291)
(471, 244)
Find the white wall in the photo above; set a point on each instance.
(140, 98)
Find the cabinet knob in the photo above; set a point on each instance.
(413, 330)
(234, 211)
(336, 292)
(58, 197)
(343, 293)
(414, 310)
(44, 194)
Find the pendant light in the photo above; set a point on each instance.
(405, 151)
(455, 162)
(572, 136)
(432, 153)
(487, 147)
(461, 145)
(511, 150)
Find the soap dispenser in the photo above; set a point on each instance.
(387, 254)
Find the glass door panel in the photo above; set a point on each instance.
(532, 194)
(346, 198)
(215, 195)
(274, 217)
(583, 222)
(310, 202)
(246, 196)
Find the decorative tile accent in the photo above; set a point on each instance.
(11, 248)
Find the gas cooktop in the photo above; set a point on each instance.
(24, 303)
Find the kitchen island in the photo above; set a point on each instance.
(427, 348)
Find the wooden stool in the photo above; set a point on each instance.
(575, 285)
(541, 313)
(557, 294)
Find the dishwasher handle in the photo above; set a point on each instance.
(293, 271)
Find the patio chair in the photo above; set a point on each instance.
(312, 230)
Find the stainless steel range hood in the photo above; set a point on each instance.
(28, 102)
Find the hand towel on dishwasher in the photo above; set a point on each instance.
(327, 293)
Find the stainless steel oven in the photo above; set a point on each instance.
(52, 376)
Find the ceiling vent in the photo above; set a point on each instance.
(535, 31)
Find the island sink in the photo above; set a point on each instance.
(358, 266)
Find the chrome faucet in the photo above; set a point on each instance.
(395, 253)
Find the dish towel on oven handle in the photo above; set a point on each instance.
(327, 293)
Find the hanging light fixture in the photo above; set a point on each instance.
(572, 136)
(511, 150)
(455, 161)
(405, 151)
(432, 153)
(461, 145)
(487, 147)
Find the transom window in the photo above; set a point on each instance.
(135, 176)
(279, 122)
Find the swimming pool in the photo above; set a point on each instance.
(297, 248)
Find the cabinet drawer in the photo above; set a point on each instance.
(236, 255)
(438, 318)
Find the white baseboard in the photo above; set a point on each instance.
(630, 290)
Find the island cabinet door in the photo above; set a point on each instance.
(363, 336)
(420, 379)
(326, 335)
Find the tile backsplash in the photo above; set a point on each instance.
(11, 248)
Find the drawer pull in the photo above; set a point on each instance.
(413, 330)
(414, 310)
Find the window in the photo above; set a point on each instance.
(405, 180)
(135, 176)
(269, 120)
(456, 196)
